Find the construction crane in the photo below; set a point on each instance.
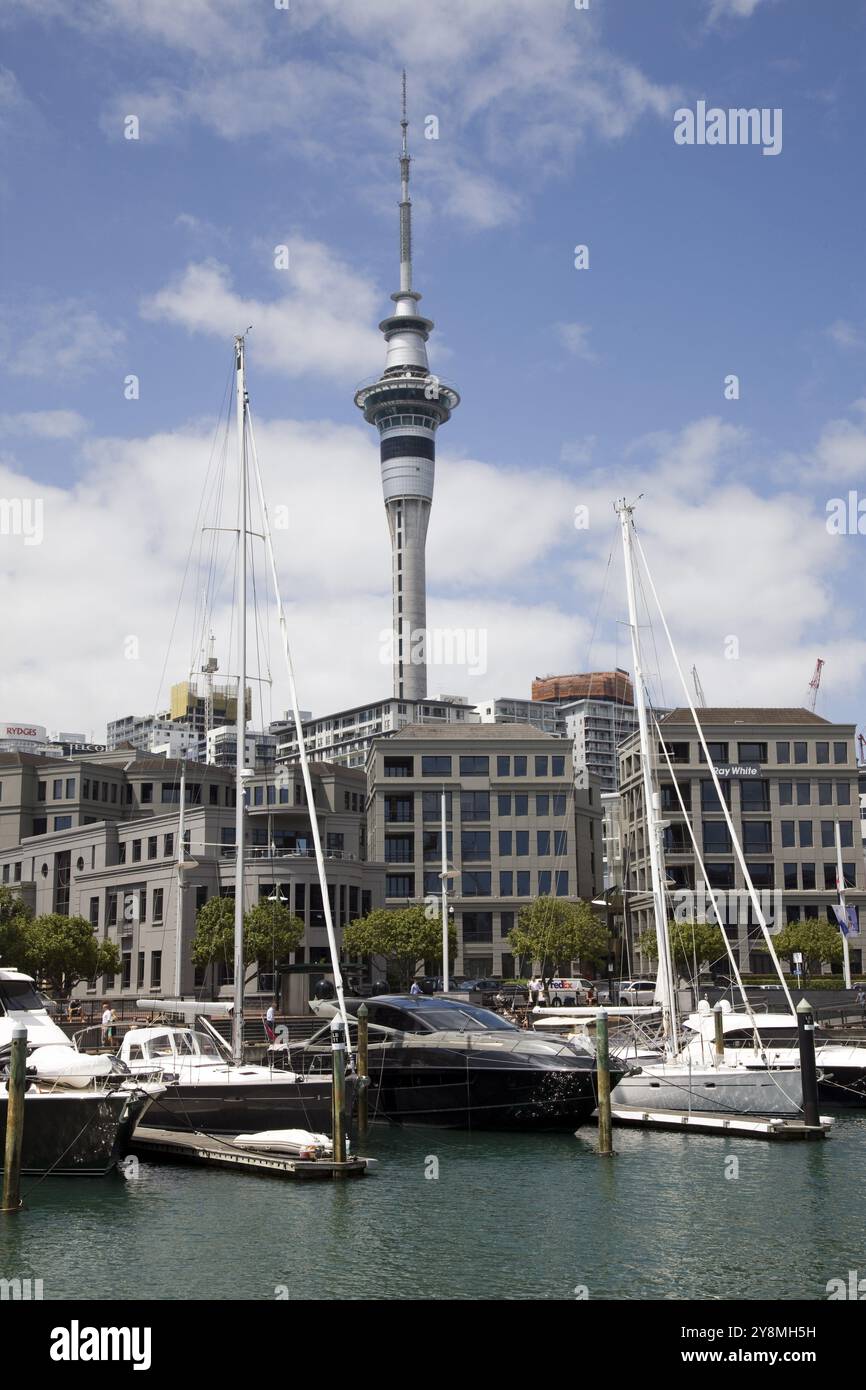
(814, 683)
(862, 742)
(699, 689)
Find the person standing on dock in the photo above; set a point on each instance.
(270, 1021)
(416, 988)
(106, 1024)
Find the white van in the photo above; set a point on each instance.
(572, 991)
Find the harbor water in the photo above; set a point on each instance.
(465, 1216)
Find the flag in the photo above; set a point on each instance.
(847, 920)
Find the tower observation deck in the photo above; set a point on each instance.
(407, 404)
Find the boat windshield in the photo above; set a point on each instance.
(19, 996)
(464, 1019)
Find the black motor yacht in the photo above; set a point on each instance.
(454, 1065)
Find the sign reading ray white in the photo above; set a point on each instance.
(77, 1343)
(736, 769)
(739, 125)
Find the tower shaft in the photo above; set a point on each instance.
(407, 405)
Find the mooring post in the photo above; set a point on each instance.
(363, 1077)
(338, 1089)
(602, 1064)
(808, 1071)
(14, 1120)
(719, 1021)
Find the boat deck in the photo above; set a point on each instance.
(707, 1122)
(175, 1146)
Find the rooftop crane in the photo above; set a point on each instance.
(699, 689)
(814, 684)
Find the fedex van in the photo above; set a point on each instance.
(569, 991)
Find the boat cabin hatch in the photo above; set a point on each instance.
(152, 1045)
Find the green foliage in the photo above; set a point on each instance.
(552, 929)
(404, 936)
(270, 932)
(63, 950)
(820, 942)
(690, 941)
(14, 917)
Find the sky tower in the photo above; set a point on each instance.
(407, 405)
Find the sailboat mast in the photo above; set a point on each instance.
(446, 963)
(843, 925)
(241, 713)
(666, 984)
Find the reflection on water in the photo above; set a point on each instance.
(509, 1216)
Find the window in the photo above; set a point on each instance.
(146, 793)
(840, 752)
(400, 849)
(474, 765)
(70, 788)
(40, 791)
(542, 804)
(125, 970)
(399, 767)
(761, 874)
(557, 765)
(433, 765)
(506, 923)
(752, 752)
(788, 840)
(156, 905)
(94, 912)
(506, 883)
(670, 801)
(156, 969)
(786, 793)
(790, 873)
(213, 793)
(523, 888)
(477, 883)
(822, 752)
(800, 753)
(562, 883)
(168, 846)
(136, 851)
(808, 872)
(474, 806)
(399, 808)
(709, 797)
(520, 765)
(541, 765)
(559, 803)
(121, 852)
(542, 838)
(152, 846)
(846, 834)
(825, 793)
(477, 926)
(521, 804)
(258, 796)
(755, 795)
(718, 753)
(399, 885)
(716, 838)
(544, 883)
(62, 822)
(521, 842)
(560, 842)
(432, 884)
(503, 803)
(806, 840)
(677, 752)
(503, 765)
(828, 835)
(720, 875)
(431, 803)
(432, 844)
(757, 837)
(804, 793)
(843, 794)
(505, 844)
(783, 751)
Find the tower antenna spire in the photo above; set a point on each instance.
(405, 203)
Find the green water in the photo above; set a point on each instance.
(518, 1216)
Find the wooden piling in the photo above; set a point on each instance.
(602, 1063)
(363, 1070)
(338, 1090)
(808, 1070)
(719, 1021)
(14, 1121)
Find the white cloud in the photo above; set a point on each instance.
(319, 323)
(44, 424)
(574, 338)
(504, 558)
(840, 454)
(66, 339)
(734, 9)
(844, 334)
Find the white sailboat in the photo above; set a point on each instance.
(684, 1079)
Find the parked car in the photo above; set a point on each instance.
(636, 992)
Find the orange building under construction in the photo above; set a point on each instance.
(589, 685)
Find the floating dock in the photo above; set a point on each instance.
(177, 1146)
(708, 1122)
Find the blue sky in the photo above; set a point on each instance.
(555, 128)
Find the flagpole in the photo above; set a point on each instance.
(843, 917)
